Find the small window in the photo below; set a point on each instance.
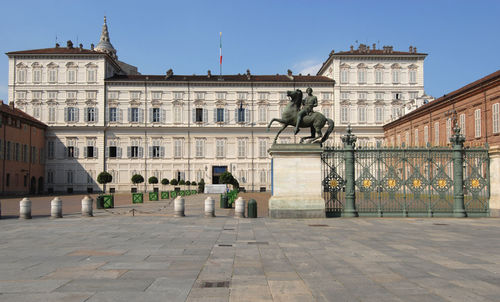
(156, 115)
(199, 115)
(112, 114)
(241, 115)
(112, 151)
(220, 115)
(90, 151)
(71, 152)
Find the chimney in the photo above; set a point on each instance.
(411, 49)
(414, 49)
(81, 46)
(92, 46)
(69, 44)
(170, 73)
(11, 104)
(209, 74)
(289, 74)
(248, 74)
(352, 48)
(374, 46)
(57, 45)
(332, 52)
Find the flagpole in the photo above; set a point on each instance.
(220, 52)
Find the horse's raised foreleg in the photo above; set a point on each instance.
(272, 121)
(278, 134)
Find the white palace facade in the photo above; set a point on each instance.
(103, 115)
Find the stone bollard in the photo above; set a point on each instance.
(56, 208)
(239, 208)
(252, 208)
(87, 206)
(209, 207)
(179, 206)
(25, 208)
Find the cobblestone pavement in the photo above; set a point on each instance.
(153, 256)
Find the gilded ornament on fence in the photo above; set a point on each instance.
(417, 183)
(475, 183)
(334, 183)
(391, 183)
(442, 183)
(367, 183)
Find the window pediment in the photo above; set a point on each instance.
(413, 66)
(379, 66)
(70, 102)
(379, 103)
(344, 65)
(113, 103)
(220, 103)
(52, 65)
(395, 66)
(156, 103)
(21, 65)
(71, 65)
(91, 65)
(177, 102)
(135, 103)
(361, 65)
(52, 103)
(345, 103)
(91, 103)
(199, 103)
(36, 65)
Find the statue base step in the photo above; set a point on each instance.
(296, 207)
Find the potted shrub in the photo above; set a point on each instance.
(193, 183)
(174, 193)
(137, 197)
(188, 184)
(153, 196)
(164, 194)
(103, 200)
(182, 183)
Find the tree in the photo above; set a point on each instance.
(226, 178)
(137, 179)
(153, 180)
(235, 184)
(182, 182)
(201, 186)
(193, 183)
(104, 178)
(164, 181)
(173, 182)
(188, 183)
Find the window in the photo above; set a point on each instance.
(71, 95)
(262, 176)
(21, 95)
(113, 95)
(416, 137)
(200, 96)
(36, 110)
(178, 95)
(344, 114)
(262, 114)
(398, 140)
(436, 133)
(155, 118)
(413, 76)
(362, 96)
(379, 114)
(362, 76)
(90, 178)
(90, 152)
(50, 177)
(71, 75)
(71, 151)
(17, 151)
(379, 96)
(178, 148)
(397, 96)
(91, 95)
(37, 75)
(407, 138)
(326, 96)
(52, 75)
(413, 95)
(396, 111)
(50, 149)
(379, 76)
(7, 150)
(134, 150)
(134, 115)
(495, 115)
(156, 151)
(262, 148)
(37, 95)
(242, 144)
(219, 147)
(113, 151)
(198, 115)
(71, 114)
(24, 156)
(200, 148)
(156, 95)
(91, 75)
(326, 112)
(448, 129)
(91, 114)
(219, 115)
(362, 114)
(135, 95)
(21, 75)
(263, 96)
(395, 76)
(240, 114)
(220, 96)
(283, 96)
(112, 114)
(52, 95)
(477, 123)
(426, 135)
(344, 76)
(462, 123)
(242, 96)
(177, 114)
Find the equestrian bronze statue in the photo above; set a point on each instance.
(305, 118)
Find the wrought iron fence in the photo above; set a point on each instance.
(407, 181)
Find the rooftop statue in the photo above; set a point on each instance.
(299, 114)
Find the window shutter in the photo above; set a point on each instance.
(215, 115)
(76, 152)
(86, 115)
(141, 152)
(96, 152)
(106, 116)
(129, 110)
(118, 152)
(236, 115)
(65, 114)
(150, 115)
(205, 115)
(106, 152)
(129, 151)
(162, 152)
(247, 115)
(77, 115)
(96, 117)
(150, 152)
(226, 115)
(85, 152)
(141, 115)
(163, 115)
(194, 115)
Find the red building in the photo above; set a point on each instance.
(22, 142)
(475, 107)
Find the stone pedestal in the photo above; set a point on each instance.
(296, 181)
(495, 181)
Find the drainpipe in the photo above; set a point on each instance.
(252, 170)
(189, 134)
(145, 152)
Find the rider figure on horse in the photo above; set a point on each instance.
(308, 104)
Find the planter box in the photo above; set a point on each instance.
(173, 194)
(153, 196)
(109, 201)
(165, 194)
(137, 198)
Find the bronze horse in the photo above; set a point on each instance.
(315, 121)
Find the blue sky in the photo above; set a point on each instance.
(462, 38)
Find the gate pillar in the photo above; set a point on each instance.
(458, 173)
(349, 141)
(296, 181)
(495, 181)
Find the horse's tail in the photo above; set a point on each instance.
(331, 125)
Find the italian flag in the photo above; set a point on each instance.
(220, 49)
